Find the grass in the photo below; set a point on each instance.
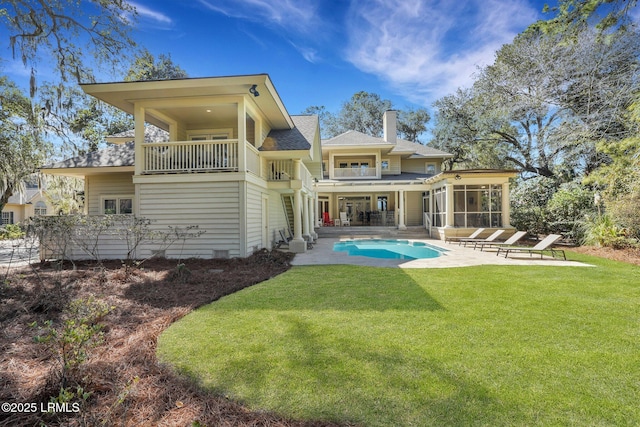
(490, 345)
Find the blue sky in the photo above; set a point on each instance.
(322, 52)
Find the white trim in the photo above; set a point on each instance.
(117, 198)
(210, 134)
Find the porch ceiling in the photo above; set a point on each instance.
(123, 95)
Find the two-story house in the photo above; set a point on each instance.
(224, 154)
(229, 158)
(388, 181)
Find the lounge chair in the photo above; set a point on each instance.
(344, 220)
(491, 238)
(509, 242)
(543, 246)
(471, 236)
(284, 240)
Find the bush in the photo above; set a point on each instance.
(11, 231)
(529, 204)
(568, 208)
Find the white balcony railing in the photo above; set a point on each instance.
(190, 156)
(282, 170)
(279, 170)
(354, 173)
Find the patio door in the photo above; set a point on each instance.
(358, 208)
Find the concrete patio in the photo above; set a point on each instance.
(456, 256)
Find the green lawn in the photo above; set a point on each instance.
(489, 345)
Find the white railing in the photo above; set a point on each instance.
(279, 170)
(282, 170)
(307, 179)
(253, 159)
(354, 173)
(190, 156)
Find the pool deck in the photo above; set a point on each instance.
(456, 256)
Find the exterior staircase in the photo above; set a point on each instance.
(287, 204)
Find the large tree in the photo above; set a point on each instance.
(545, 103)
(66, 32)
(364, 111)
(21, 147)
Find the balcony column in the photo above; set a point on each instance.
(506, 206)
(305, 218)
(401, 225)
(298, 244)
(449, 217)
(315, 217)
(242, 149)
(138, 117)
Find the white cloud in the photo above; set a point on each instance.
(291, 15)
(153, 15)
(428, 48)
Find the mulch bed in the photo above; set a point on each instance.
(128, 386)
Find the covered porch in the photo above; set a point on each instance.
(452, 203)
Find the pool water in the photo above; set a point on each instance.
(388, 249)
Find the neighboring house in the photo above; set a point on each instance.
(24, 205)
(224, 154)
(228, 158)
(391, 182)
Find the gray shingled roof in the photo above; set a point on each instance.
(356, 138)
(151, 134)
(419, 150)
(114, 155)
(353, 137)
(21, 198)
(299, 138)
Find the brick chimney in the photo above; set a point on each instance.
(389, 126)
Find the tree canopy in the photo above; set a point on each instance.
(66, 32)
(364, 111)
(22, 149)
(544, 104)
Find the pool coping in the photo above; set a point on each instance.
(456, 256)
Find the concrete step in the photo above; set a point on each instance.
(379, 232)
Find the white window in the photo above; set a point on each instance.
(117, 205)
(210, 134)
(7, 218)
(385, 164)
(431, 168)
(40, 208)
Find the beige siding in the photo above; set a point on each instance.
(394, 165)
(98, 186)
(413, 165)
(413, 206)
(214, 207)
(419, 165)
(254, 218)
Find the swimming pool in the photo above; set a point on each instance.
(388, 249)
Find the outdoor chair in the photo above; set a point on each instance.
(284, 240)
(471, 236)
(543, 246)
(509, 242)
(491, 238)
(344, 220)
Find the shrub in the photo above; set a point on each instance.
(80, 331)
(568, 208)
(11, 231)
(529, 204)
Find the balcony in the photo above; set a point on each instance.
(354, 173)
(283, 170)
(190, 156)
